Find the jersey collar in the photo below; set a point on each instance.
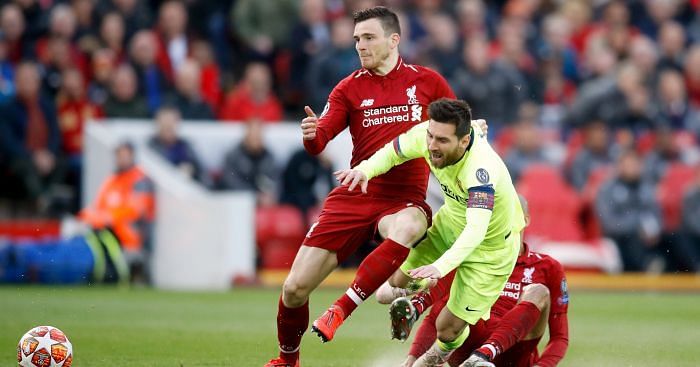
(393, 74)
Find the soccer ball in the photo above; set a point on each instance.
(44, 346)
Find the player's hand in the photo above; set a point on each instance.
(426, 271)
(481, 123)
(352, 178)
(308, 124)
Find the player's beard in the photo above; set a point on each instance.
(374, 59)
(443, 159)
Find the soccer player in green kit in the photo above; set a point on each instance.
(476, 232)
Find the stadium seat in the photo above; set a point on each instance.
(670, 191)
(556, 206)
(279, 231)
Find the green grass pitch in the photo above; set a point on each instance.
(115, 327)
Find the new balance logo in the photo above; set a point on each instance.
(367, 102)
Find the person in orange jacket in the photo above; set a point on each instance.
(120, 219)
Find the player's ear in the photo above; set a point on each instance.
(527, 220)
(394, 39)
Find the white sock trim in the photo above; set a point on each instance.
(492, 349)
(290, 351)
(354, 297)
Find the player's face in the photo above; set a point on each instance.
(372, 44)
(444, 145)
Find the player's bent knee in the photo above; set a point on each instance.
(294, 294)
(407, 230)
(538, 294)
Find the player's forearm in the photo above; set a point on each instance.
(318, 144)
(472, 235)
(380, 162)
(558, 341)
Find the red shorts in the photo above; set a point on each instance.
(349, 219)
(522, 354)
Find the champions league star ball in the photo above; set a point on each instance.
(44, 346)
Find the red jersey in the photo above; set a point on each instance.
(377, 109)
(530, 268)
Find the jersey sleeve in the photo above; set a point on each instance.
(558, 318)
(442, 88)
(407, 146)
(332, 121)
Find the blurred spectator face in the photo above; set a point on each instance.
(187, 79)
(671, 38)
(258, 79)
(629, 79)
(692, 63)
(643, 53)
(27, 81)
(662, 10)
(143, 48)
(664, 142)
(476, 55)
(172, 18)
(83, 11)
(341, 33)
(618, 38)
(313, 12)
(671, 87)
(72, 84)
(202, 52)
(443, 32)
(527, 136)
(557, 32)
(112, 30)
(125, 6)
(616, 14)
(12, 22)
(577, 13)
(124, 156)
(597, 137)
(600, 59)
(63, 21)
(124, 85)
(511, 36)
(254, 137)
(103, 65)
(427, 6)
(630, 167)
(59, 53)
(471, 15)
(167, 120)
(373, 44)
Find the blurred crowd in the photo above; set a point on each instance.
(605, 93)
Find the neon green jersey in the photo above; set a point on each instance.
(481, 205)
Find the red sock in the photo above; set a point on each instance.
(376, 268)
(423, 300)
(426, 334)
(291, 325)
(512, 328)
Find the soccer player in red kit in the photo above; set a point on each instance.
(535, 295)
(377, 103)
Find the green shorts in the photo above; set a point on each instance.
(478, 281)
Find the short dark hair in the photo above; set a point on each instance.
(452, 111)
(388, 19)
